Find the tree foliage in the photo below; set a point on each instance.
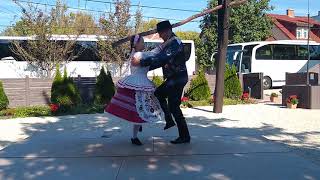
(61, 22)
(232, 86)
(116, 25)
(149, 25)
(43, 50)
(104, 89)
(4, 102)
(157, 80)
(64, 91)
(199, 88)
(248, 22)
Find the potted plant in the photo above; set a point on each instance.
(274, 97)
(245, 96)
(292, 102)
(184, 102)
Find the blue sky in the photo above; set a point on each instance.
(10, 12)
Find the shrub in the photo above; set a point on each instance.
(4, 102)
(50, 110)
(33, 111)
(232, 86)
(157, 80)
(104, 89)
(8, 112)
(274, 95)
(199, 88)
(64, 91)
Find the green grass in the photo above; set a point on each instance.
(84, 109)
(32, 111)
(226, 101)
(38, 111)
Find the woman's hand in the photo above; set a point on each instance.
(135, 60)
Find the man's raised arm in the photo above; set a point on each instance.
(162, 58)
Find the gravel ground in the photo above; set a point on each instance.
(296, 128)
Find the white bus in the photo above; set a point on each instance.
(86, 65)
(273, 58)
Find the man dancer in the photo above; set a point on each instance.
(173, 62)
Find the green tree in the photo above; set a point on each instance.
(232, 86)
(199, 88)
(46, 51)
(118, 24)
(157, 80)
(248, 22)
(57, 20)
(56, 82)
(149, 25)
(188, 35)
(105, 88)
(64, 92)
(4, 102)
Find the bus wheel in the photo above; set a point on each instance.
(267, 82)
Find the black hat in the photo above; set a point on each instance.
(163, 25)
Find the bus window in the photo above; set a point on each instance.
(23, 43)
(283, 52)
(246, 58)
(85, 50)
(264, 52)
(151, 45)
(232, 55)
(187, 50)
(302, 52)
(315, 52)
(4, 49)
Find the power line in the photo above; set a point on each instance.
(61, 27)
(144, 6)
(8, 10)
(91, 10)
(1, 10)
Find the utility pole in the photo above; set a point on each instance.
(223, 37)
(308, 44)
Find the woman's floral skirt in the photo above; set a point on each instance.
(135, 106)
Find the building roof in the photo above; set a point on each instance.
(285, 22)
(295, 20)
(153, 37)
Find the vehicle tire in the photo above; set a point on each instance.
(267, 82)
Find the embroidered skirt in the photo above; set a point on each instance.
(135, 106)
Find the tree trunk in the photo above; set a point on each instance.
(223, 35)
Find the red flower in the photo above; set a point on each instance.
(184, 99)
(245, 96)
(54, 107)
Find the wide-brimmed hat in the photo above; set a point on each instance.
(163, 25)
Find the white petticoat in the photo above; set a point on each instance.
(138, 82)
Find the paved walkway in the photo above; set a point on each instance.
(262, 141)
